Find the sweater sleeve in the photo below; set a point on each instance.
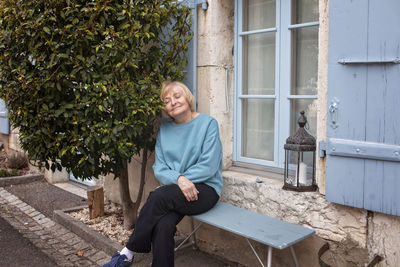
(211, 154)
(164, 174)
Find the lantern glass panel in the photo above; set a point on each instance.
(305, 157)
(300, 169)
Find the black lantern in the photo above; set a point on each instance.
(300, 151)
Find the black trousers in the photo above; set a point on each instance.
(156, 225)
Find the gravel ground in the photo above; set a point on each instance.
(110, 225)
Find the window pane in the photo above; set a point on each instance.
(258, 128)
(259, 64)
(305, 11)
(305, 61)
(258, 14)
(310, 109)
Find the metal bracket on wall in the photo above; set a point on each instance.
(322, 149)
(358, 149)
(194, 3)
(333, 111)
(345, 61)
(227, 108)
(204, 4)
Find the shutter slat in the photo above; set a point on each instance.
(342, 183)
(348, 39)
(382, 178)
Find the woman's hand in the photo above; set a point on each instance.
(188, 188)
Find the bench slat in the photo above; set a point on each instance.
(259, 227)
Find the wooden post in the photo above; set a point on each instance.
(95, 196)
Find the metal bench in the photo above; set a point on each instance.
(270, 231)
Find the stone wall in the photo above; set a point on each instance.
(214, 56)
(10, 141)
(322, 104)
(384, 238)
(111, 185)
(330, 221)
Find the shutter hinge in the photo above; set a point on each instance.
(322, 149)
(194, 3)
(204, 4)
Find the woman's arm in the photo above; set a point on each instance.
(210, 159)
(162, 172)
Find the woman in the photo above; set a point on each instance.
(188, 165)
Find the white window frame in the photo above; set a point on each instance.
(283, 76)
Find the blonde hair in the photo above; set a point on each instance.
(168, 86)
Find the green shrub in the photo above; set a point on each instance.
(17, 160)
(81, 78)
(8, 173)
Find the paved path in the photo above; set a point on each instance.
(16, 250)
(60, 245)
(25, 212)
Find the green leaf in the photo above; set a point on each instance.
(81, 160)
(46, 30)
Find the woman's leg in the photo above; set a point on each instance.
(162, 201)
(163, 243)
(207, 198)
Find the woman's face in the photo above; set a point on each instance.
(176, 104)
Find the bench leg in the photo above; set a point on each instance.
(187, 238)
(294, 256)
(194, 233)
(269, 256)
(255, 252)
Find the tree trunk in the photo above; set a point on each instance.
(130, 208)
(126, 202)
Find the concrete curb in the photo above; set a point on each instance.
(91, 236)
(4, 181)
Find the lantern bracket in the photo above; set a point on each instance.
(322, 149)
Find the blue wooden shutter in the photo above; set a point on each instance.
(190, 70)
(4, 124)
(363, 131)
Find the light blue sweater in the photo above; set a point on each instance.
(192, 149)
